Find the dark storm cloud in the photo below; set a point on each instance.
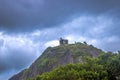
(15, 59)
(94, 21)
(16, 52)
(27, 15)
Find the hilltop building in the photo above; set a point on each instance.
(63, 41)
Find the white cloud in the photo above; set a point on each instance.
(75, 38)
(16, 52)
(89, 26)
(113, 39)
(52, 43)
(96, 30)
(36, 33)
(92, 29)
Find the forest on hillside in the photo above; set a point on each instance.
(104, 67)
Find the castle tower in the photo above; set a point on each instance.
(63, 41)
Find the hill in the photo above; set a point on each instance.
(61, 55)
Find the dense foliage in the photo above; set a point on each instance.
(52, 57)
(105, 67)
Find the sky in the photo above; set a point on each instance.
(28, 27)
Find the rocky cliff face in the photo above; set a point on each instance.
(53, 57)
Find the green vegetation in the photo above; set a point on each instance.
(53, 54)
(78, 61)
(105, 67)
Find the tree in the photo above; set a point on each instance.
(76, 72)
(111, 63)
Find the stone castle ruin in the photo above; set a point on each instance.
(63, 41)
